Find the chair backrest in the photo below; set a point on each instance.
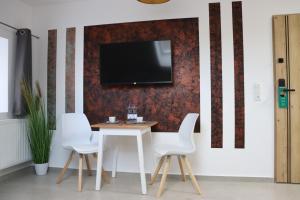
(186, 130)
(75, 128)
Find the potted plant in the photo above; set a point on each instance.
(39, 128)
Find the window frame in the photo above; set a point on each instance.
(11, 37)
(5, 51)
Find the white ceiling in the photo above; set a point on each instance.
(42, 2)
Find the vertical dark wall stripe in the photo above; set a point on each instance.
(51, 75)
(70, 70)
(237, 17)
(216, 75)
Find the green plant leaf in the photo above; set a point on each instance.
(39, 128)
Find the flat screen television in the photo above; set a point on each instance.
(147, 62)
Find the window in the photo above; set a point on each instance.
(3, 75)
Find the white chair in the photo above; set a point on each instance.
(78, 137)
(185, 145)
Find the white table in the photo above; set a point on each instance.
(123, 129)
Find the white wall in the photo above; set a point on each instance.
(19, 15)
(257, 159)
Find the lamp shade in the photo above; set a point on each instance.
(153, 1)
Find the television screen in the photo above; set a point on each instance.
(146, 62)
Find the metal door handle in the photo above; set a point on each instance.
(289, 90)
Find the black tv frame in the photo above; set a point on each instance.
(143, 82)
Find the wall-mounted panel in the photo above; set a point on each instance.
(70, 70)
(51, 75)
(237, 18)
(167, 103)
(216, 75)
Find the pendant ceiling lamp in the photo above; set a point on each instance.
(154, 1)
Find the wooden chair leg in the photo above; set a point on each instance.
(63, 171)
(164, 176)
(80, 172)
(194, 180)
(181, 168)
(88, 165)
(153, 178)
(105, 176)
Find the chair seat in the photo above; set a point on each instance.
(169, 149)
(82, 148)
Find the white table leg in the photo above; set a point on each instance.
(153, 152)
(99, 161)
(115, 161)
(141, 163)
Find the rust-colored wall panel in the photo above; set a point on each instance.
(167, 104)
(216, 75)
(51, 75)
(237, 16)
(70, 70)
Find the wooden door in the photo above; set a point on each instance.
(281, 115)
(294, 109)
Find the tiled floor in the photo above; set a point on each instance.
(27, 186)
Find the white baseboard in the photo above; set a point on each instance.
(5, 173)
(199, 177)
(25, 168)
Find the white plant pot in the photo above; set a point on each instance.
(41, 169)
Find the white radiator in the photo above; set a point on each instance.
(14, 148)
